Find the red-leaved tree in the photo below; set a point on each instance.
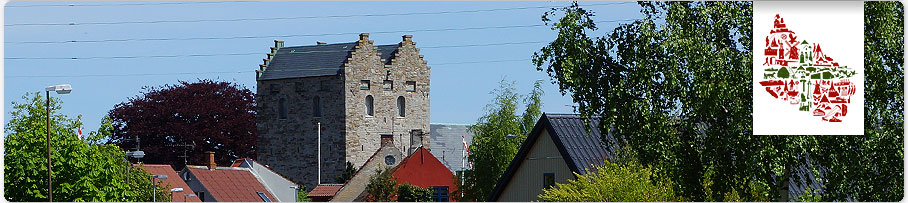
(212, 116)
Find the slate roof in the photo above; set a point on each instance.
(227, 184)
(447, 144)
(315, 60)
(173, 179)
(580, 144)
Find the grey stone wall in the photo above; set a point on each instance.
(364, 131)
(288, 146)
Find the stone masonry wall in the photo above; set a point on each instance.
(288, 146)
(364, 131)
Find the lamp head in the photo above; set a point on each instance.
(179, 189)
(60, 89)
(162, 177)
(136, 154)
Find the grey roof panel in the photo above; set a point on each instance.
(315, 60)
(581, 142)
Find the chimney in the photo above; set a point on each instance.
(408, 38)
(364, 37)
(211, 164)
(321, 43)
(279, 44)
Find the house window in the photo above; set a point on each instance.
(440, 193)
(263, 196)
(364, 84)
(401, 106)
(548, 180)
(201, 196)
(282, 108)
(274, 88)
(388, 85)
(316, 107)
(411, 86)
(369, 110)
(299, 87)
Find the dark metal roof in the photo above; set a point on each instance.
(580, 144)
(315, 60)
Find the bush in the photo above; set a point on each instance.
(412, 193)
(613, 182)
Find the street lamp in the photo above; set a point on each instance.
(135, 154)
(179, 189)
(187, 195)
(60, 89)
(154, 187)
(511, 136)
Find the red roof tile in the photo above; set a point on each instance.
(231, 185)
(325, 190)
(173, 178)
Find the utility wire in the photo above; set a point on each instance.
(252, 53)
(293, 35)
(126, 4)
(226, 72)
(297, 17)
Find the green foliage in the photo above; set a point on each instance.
(676, 87)
(302, 195)
(612, 182)
(411, 193)
(382, 187)
(348, 173)
(81, 171)
(491, 151)
(809, 196)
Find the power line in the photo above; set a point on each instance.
(293, 35)
(297, 17)
(126, 4)
(252, 53)
(226, 72)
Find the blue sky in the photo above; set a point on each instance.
(141, 45)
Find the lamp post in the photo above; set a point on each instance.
(154, 187)
(60, 89)
(179, 189)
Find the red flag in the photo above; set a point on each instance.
(80, 126)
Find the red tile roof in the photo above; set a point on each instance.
(173, 178)
(231, 184)
(325, 190)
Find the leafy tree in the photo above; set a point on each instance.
(348, 173)
(612, 182)
(302, 195)
(411, 193)
(214, 116)
(81, 171)
(382, 187)
(491, 151)
(675, 87)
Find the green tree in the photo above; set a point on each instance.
(382, 187)
(412, 193)
(675, 86)
(348, 173)
(491, 150)
(612, 182)
(82, 171)
(302, 195)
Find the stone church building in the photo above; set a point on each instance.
(359, 93)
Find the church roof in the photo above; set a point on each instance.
(315, 60)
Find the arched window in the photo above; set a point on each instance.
(369, 110)
(401, 106)
(282, 108)
(316, 107)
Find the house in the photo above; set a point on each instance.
(557, 147)
(424, 170)
(227, 184)
(173, 181)
(447, 144)
(282, 188)
(388, 156)
(341, 99)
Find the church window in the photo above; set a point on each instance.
(388, 85)
(282, 108)
(316, 107)
(369, 110)
(401, 106)
(364, 84)
(411, 86)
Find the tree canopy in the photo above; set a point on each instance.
(491, 150)
(82, 170)
(212, 116)
(612, 182)
(675, 87)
